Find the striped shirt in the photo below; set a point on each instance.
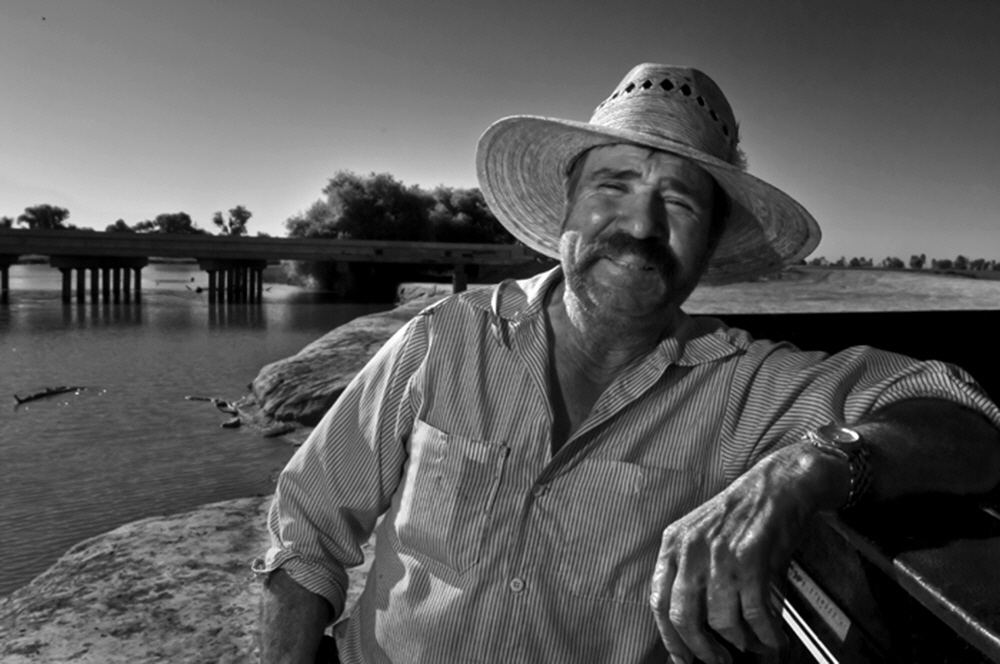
(491, 548)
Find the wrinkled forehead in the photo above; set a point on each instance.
(645, 162)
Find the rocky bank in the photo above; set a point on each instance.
(179, 588)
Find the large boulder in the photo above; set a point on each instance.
(165, 589)
(298, 390)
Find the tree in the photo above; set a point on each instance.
(119, 227)
(236, 224)
(44, 216)
(855, 262)
(961, 263)
(893, 263)
(6, 222)
(174, 222)
(943, 264)
(917, 262)
(461, 215)
(979, 264)
(317, 221)
(376, 207)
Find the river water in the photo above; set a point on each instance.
(130, 446)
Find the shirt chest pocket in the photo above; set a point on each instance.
(613, 523)
(449, 488)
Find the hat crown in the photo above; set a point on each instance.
(677, 104)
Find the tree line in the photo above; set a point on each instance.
(52, 217)
(920, 262)
(358, 207)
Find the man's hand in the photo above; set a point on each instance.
(716, 564)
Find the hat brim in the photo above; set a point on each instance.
(522, 162)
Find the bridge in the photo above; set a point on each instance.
(234, 264)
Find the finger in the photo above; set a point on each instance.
(687, 614)
(725, 610)
(659, 601)
(761, 616)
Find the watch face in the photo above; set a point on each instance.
(840, 436)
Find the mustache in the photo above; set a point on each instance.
(650, 250)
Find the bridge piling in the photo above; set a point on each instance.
(67, 280)
(137, 271)
(105, 284)
(81, 284)
(232, 281)
(459, 279)
(105, 276)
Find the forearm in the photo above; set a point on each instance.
(292, 621)
(918, 446)
(930, 446)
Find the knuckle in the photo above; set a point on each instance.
(682, 618)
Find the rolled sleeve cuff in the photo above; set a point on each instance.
(943, 381)
(316, 577)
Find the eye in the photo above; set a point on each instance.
(615, 186)
(673, 201)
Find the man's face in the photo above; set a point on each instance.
(636, 237)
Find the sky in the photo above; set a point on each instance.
(880, 116)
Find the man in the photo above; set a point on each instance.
(569, 468)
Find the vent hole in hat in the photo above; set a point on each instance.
(686, 89)
(630, 87)
(715, 116)
(667, 84)
(701, 102)
(725, 130)
(647, 84)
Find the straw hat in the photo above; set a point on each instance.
(522, 163)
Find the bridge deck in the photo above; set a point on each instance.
(95, 243)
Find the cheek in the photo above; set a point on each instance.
(589, 216)
(689, 243)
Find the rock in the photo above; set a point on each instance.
(165, 589)
(301, 388)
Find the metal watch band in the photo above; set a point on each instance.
(857, 455)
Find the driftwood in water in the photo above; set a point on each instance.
(221, 404)
(47, 392)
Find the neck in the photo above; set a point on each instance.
(601, 344)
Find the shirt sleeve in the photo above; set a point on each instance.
(780, 392)
(340, 481)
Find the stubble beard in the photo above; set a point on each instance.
(583, 305)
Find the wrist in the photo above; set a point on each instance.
(826, 476)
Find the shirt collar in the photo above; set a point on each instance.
(695, 341)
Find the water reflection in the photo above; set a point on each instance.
(249, 315)
(102, 314)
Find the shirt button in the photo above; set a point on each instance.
(540, 490)
(517, 585)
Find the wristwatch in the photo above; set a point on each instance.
(847, 444)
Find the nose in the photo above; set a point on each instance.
(645, 216)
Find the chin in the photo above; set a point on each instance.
(622, 309)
